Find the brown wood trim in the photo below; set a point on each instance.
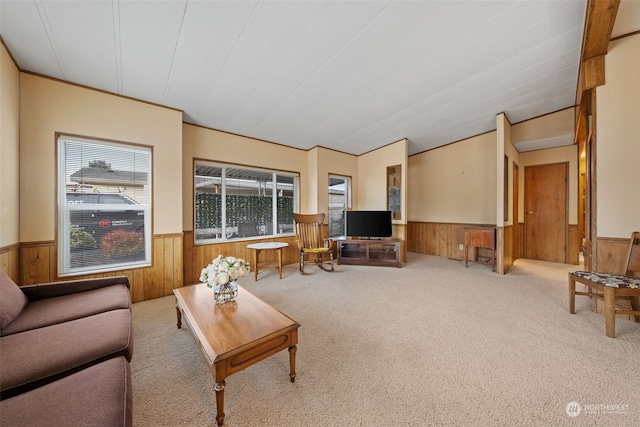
(106, 92)
(168, 235)
(614, 240)
(633, 33)
(376, 149)
(250, 137)
(543, 115)
(592, 167)
(601, 16)
(599, 20)
(9, 248)
(454, 142)
(37, 244)
(573, 245)
(13, 59)
(242, 165)
(593, 69)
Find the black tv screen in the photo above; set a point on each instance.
(369, 224)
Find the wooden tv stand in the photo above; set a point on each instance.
(385, 252)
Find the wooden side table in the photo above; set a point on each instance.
(480, 237)
(258, 247)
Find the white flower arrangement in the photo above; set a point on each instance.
(224, 270)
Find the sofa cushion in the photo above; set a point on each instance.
(50, 311)
(12, 300)
(97, 396)
(41, 355)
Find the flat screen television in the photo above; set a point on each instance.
(369, 224)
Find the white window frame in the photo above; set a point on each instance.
(65, 208)
(224, 166)
(346, 207)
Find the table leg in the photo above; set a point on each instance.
(292, 362)
(255, 264)
(279, 250)
(466, 256)
(572, 295)
(219, 388)
(179, 317)
(610, 311)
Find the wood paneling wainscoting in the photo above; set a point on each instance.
(574, 245)
(196, 257)
(176, 261)
(199, 256)
(444, 239)
(38, 264)
(440, 239)
(400, 233)
(505, 246)
(10, 261)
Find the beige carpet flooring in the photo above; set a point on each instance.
(430, 344)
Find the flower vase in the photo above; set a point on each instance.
(226, 292)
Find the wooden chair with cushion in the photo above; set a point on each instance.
(609, 287)
(313, 247)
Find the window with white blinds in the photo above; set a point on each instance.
(104, 206)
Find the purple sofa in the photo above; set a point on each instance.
(65, 349)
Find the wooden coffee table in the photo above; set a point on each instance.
(235, 335)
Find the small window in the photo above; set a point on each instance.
(339, 204)
(233, 202)
(104, 206)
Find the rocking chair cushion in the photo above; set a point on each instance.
(609, 279)
(315, 250)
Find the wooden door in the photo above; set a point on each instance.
(546, 212)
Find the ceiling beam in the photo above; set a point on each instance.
(601, 16)
(598, 26)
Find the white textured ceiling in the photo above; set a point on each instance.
(346, 75)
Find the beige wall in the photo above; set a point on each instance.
(553, 155)
(372, 178)
(503, 145)
(455, 183)
(49, 106)
(547, 126)
(618, 141)
(514, 157)
(311, 186)
(335, 163)
(9, 150)
(216, 146)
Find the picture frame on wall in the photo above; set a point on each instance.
(394, 191)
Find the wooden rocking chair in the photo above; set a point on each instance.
(608, 287)
(313, 247)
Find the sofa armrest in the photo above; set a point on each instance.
(56, 289)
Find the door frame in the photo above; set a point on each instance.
(515, 220)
